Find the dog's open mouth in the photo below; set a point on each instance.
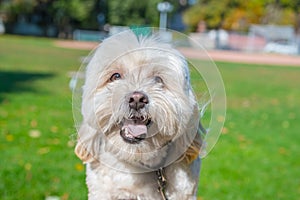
(135, 129)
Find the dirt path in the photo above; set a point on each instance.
(242, 57)
(227, 56)
(71, 44)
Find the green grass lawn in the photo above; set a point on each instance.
(37, 134)
(256, 157)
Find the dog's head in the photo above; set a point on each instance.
(137, 102)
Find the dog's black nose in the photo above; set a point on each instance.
(138, 100)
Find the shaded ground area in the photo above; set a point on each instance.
(228, 56)
(18, 81)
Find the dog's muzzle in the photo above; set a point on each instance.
(135, 128)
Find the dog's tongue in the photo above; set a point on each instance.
(136, 129)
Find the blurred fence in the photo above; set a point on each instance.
(85, 35)
(261, 38)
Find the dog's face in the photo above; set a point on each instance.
(138, 100)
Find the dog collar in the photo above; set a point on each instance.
(162, 183)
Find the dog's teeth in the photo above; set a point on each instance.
(127, 134)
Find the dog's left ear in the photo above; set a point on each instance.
(194, 149)
(84, 144)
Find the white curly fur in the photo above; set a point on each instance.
(120, 170)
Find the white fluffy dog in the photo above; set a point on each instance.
(139, 136)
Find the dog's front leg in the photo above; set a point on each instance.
(182, 180)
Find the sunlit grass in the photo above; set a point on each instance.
(255, 158)
(257, 154)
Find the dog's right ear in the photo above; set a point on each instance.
(84, 144)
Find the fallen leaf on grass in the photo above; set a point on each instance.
(282, 151)
(9, 138)
(54, 129)
(54, 141)
(43, 150)
(33, 123)
(28, 166)
(79, 167)
(224, 130)
(65, 196)
(34, 133)
(71, 143)
(52, 198)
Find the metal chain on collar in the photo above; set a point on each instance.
(162, 183)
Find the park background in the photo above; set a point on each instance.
(257, 154)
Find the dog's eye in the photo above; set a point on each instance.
(115, 76)
(158, 79)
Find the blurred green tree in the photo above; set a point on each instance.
(67, 12)
(64, 14)
(239, 14)
(14, 9)
(132, 12)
